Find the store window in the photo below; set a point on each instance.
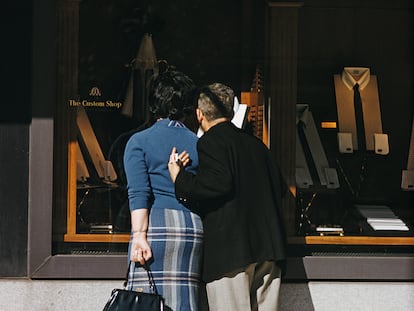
(104, 105)
(353, 174)
(103, 70)
(101, 73)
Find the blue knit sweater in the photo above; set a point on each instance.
(146, 164)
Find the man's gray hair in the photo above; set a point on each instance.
(216, 101)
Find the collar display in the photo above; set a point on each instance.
(352, 75)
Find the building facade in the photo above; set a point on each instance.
(68, 65)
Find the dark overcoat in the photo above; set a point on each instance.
(237, 191)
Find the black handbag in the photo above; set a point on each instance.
(128, 300)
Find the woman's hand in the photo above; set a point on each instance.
(140, 248)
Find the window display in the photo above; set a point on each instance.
(101, 196)
(359, 114)
(362, 203)
(105, 105)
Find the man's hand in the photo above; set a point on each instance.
(177, 162)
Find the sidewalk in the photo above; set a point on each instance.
(91, 295)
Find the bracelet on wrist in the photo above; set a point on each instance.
(139, 231)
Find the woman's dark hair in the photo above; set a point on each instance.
(171, 95)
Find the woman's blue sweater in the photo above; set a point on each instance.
(146, 164)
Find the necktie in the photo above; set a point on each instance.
(359, 118)
(308, 154)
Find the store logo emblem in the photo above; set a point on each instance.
(95, 91)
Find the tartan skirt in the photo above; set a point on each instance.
(175, 237)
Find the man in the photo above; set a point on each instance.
(238, 192)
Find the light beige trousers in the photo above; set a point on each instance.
(256, 288)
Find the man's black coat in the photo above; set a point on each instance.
(237, 191)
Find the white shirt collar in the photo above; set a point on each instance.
(353, 75)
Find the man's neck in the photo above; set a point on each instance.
(209, 124)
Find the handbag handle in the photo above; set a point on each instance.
(151, 281)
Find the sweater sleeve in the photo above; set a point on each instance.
(139, 190)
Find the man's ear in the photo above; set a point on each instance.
(199, 115)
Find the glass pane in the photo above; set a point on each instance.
(357, 189)
(103, 70)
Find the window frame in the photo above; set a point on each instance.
(43, 264)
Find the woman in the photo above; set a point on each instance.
(164, 233)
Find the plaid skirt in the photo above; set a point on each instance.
(176, 239)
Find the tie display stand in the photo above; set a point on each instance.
(361, 142)
(360, 139)
(316, 212)
(359, 112)
(316, 181)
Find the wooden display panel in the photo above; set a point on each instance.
(71, 235)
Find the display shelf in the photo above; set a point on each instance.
(105, 238)
(351, 240)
